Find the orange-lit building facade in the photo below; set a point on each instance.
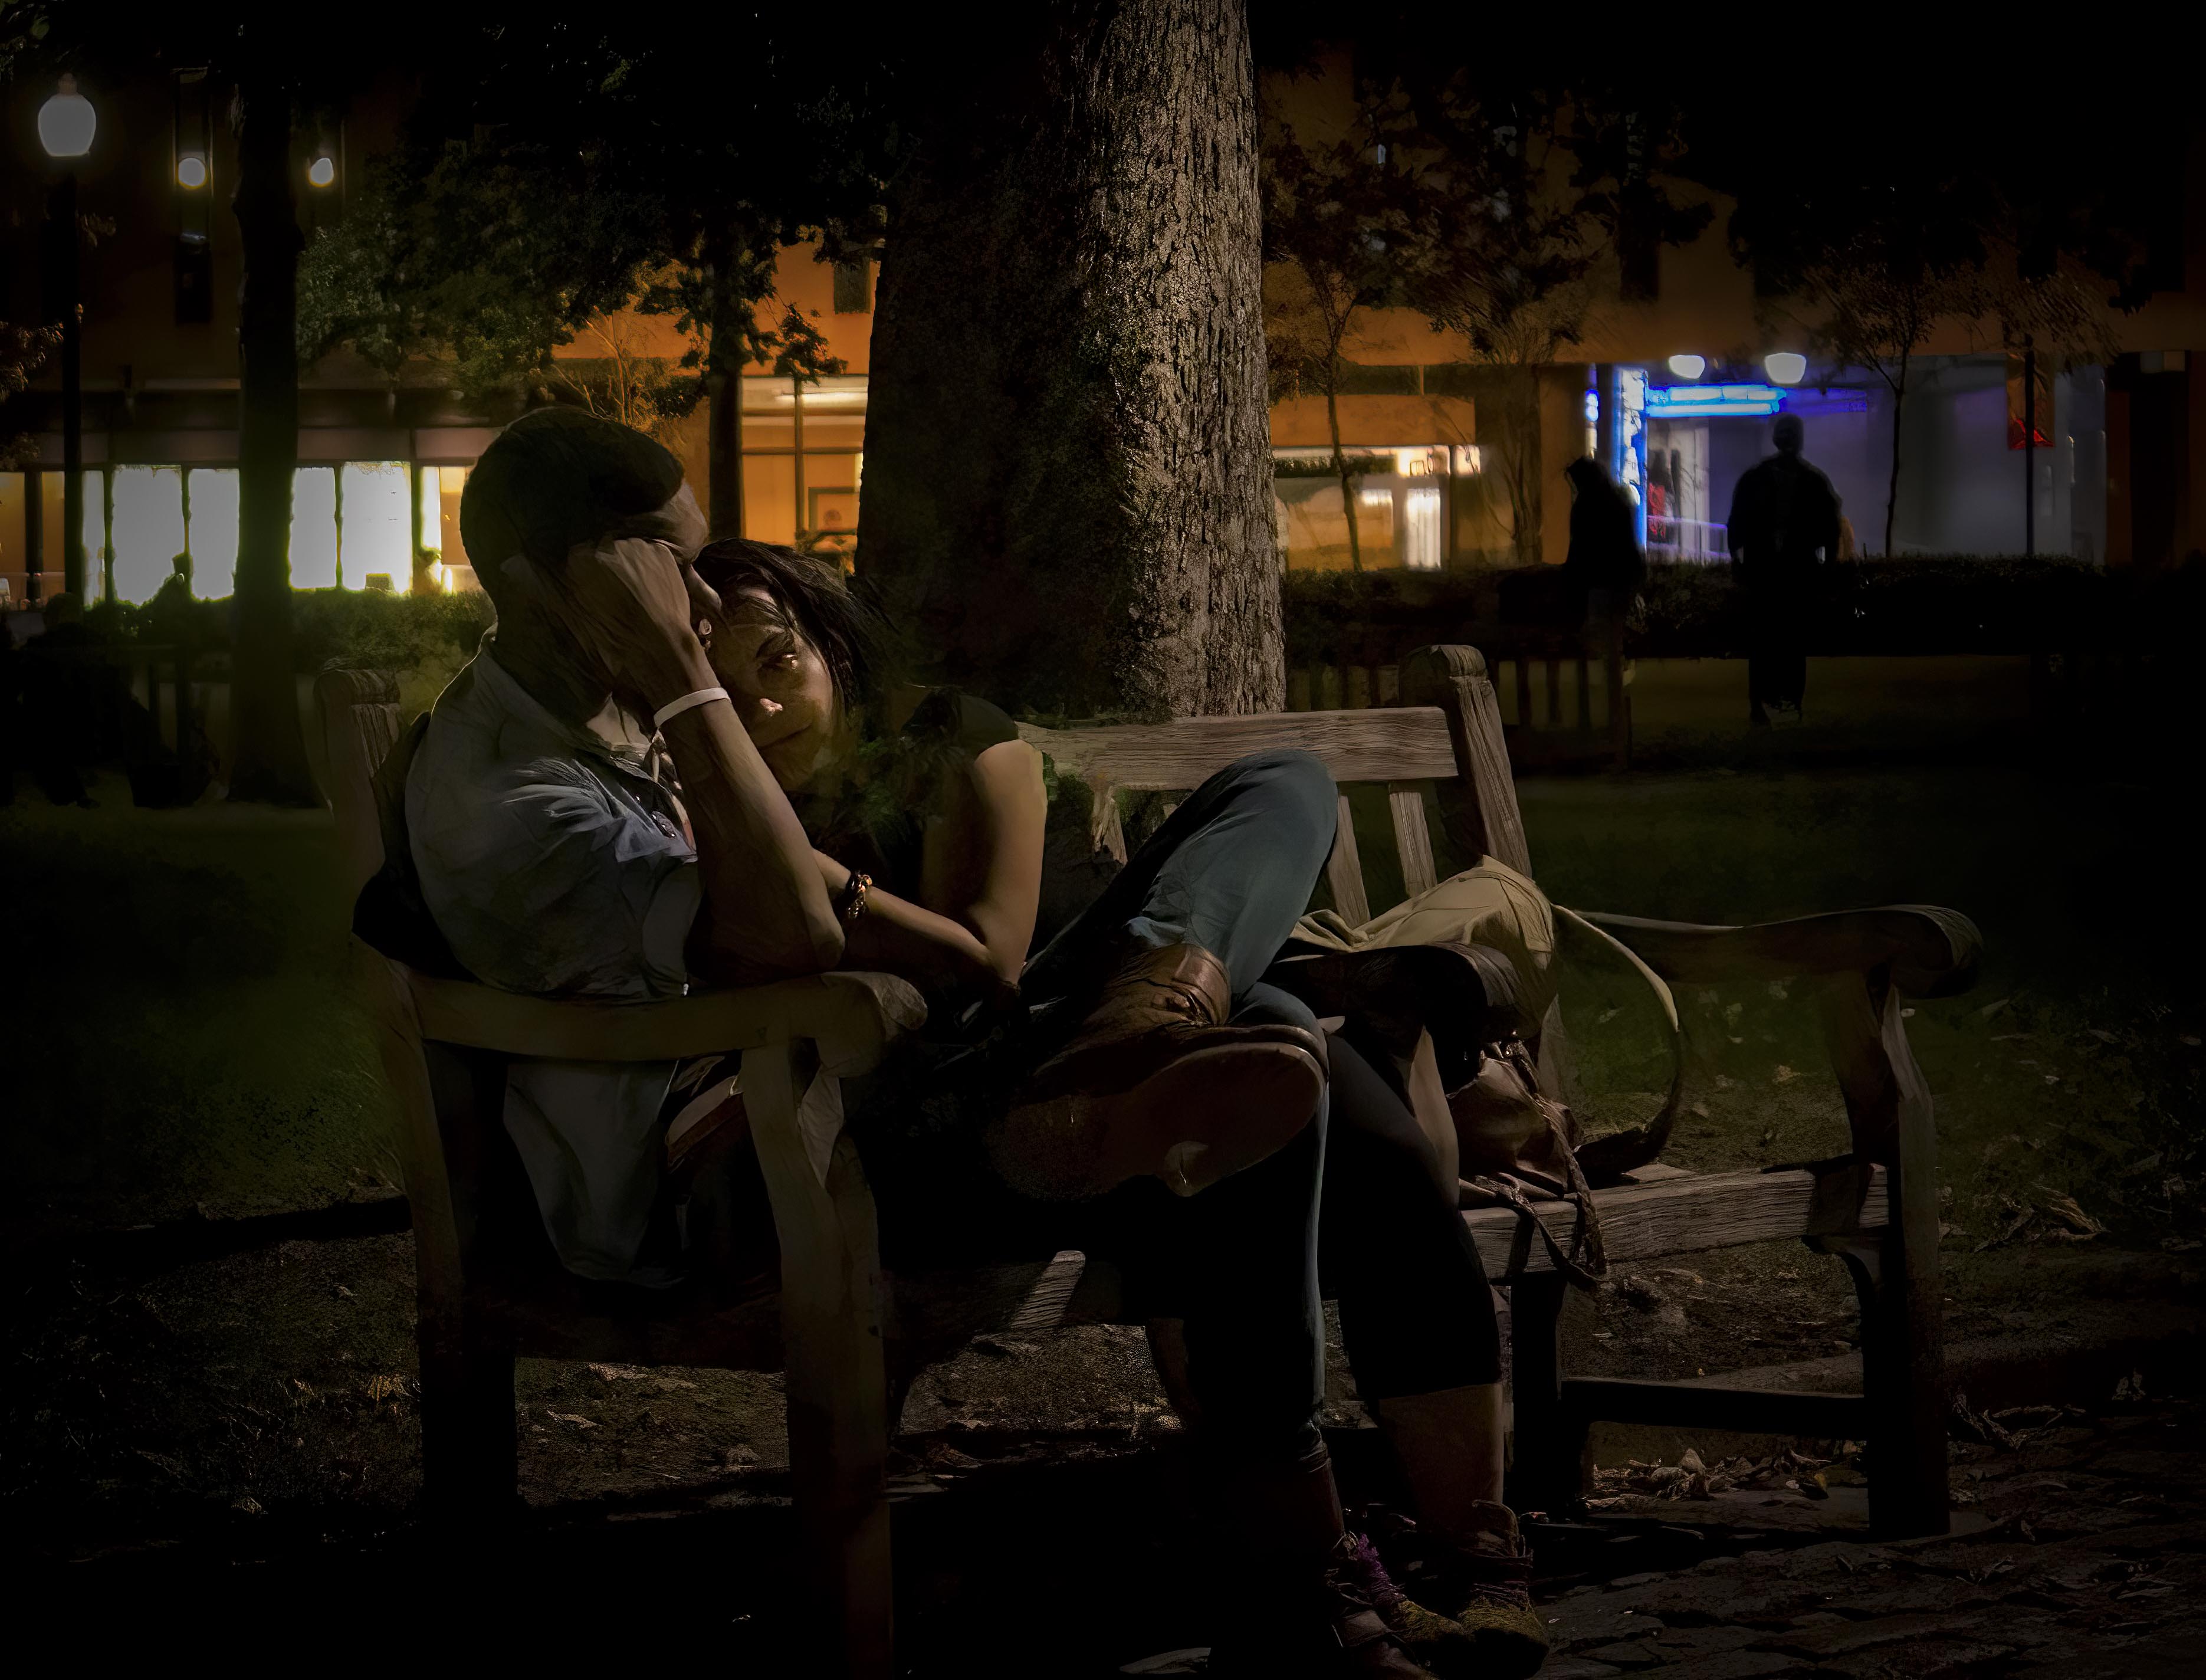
(382, 464)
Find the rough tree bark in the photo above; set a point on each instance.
(1068, 491)
(269, 760)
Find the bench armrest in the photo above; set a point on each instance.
(1931, 952)
(851, 1017)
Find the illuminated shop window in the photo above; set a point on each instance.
(212, 528)
(149, 529)
(1421, 528)
(376, 505)
(314, 527)
(441, 488)
(95, 531)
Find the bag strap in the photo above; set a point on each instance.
(1586, 1239)
(1613, 1153)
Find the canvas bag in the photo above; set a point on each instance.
(1511, 1125)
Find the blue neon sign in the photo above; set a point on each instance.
(1694, 401)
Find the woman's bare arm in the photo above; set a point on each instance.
(982, 868)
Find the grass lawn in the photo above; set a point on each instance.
(181, 1041)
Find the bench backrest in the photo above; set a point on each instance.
(1446, 732)
(358, 711)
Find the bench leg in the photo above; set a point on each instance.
(1902, 1325)
(838, 1384)
(469, 1444)
(1547, 1474)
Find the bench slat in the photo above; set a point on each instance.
(1691, 1214)
(1390, 744)
(1413, 841)
(1344, 870)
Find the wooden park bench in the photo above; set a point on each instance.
(846, 1335)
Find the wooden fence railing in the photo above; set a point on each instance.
(1557, 706)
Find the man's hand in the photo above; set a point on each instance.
(634, 603)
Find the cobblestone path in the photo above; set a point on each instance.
(2079, 1555)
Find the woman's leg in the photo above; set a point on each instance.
(1237, 1267)
(1416, 1315)
(1152, 1069)
(1231, 871)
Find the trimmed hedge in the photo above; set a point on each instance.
(1956, 603)
(369, 628)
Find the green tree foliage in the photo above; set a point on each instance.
(555, 171)
(1503, 209)
(23, 351)
(1333, 217)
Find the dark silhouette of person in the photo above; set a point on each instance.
(1784, 523)
(1606, 566)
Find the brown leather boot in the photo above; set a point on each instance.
(1305, 1595)
(1155, 1084)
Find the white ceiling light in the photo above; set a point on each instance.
(191, 170)
(1689, 367)
(67, 123)
(1784, 368)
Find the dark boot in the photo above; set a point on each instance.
(1305, 1596)
(1155, 1084)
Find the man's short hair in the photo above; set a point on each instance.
(1786, 433)
(556, 477)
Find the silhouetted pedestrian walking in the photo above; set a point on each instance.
(1784, 522)
(1606, 565)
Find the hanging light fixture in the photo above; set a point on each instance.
(1784, 368)
(1689, 367)
(67, 123)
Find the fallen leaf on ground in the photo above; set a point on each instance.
(618, 1373)
(572, 1417)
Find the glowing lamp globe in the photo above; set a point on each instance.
(1785, 367)
(67, 123)
(191, 170)
(322, 172)
(1689, 367)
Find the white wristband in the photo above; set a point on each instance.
(675, 708)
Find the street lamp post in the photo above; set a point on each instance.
(67, 123)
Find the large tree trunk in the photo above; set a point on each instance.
(1068, 490)
(270, 762)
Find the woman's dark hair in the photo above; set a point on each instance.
(817, 603)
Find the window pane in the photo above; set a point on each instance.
(458, 570)
(378, 505)
(314, 527)
(1421, 528)
(95, 531)
(149, 529)
(213, 531)
(14, 567)
(770, 497)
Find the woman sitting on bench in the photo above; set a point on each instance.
(1047, 1106)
